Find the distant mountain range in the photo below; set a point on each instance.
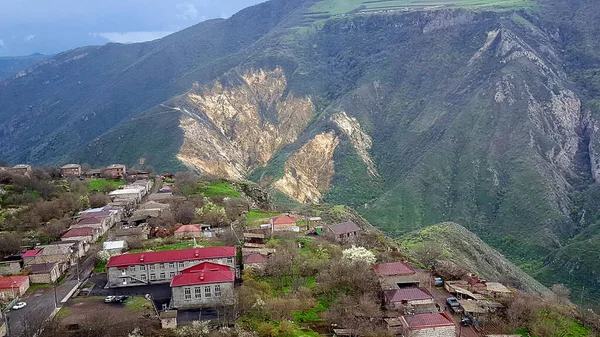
(11, 66)
(482, 113)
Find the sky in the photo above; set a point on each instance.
(52, 26)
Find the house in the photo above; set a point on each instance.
(21, 169)
(43, 272)
(115, 171)
(86, 234)
(70, 170)
(12, 286)
(160, 267)
(10, 267)
(283, 223)
(30, 255)
(344, 232)
(188, 232)
(130, 194)
(94, 173)
(168, 319)
(394, 275)
(113, 212)
(130, 233)
(438, 324)
(114, 247)
(254, 239)
(64, 253)
(254, 261)
(205, 284)
(398, 298)
(102, 224)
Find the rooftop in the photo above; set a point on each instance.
(115, 166)
(283, 220)
(203, 273)
(32, 252)
(9, 282)
(77, 232)
(255, 258)
(91, 220)
(428, 320)
(71, 166)
(190, 254)
(41, 268)
(113, 245)
(344, 228)
(407, 294)
(188, 229)
(393, 269)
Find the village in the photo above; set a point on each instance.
(141, 264)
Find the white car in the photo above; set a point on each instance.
(109, 299)
(19, 305)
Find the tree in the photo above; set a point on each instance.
(10, 243)
(359, 254)
(185, 213)
(196, 329)
(562, 293)
(186, 182)
(429, 254)
(99, 200)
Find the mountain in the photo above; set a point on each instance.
(478, 112)
(11, 66)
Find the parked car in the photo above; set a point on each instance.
(116, 299)
(109, 299)
(439, 282)
(19, 305)
(454, 305)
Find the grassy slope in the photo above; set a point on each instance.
(465, 249)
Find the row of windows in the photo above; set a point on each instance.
(170, 265)
(187, 292)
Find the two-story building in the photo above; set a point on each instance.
(202, 285)
(71, 170)
(160, 267)
(115, 171)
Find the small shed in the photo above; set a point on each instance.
(168, 319)
(115, 247)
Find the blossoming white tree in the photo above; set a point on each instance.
(359, 254)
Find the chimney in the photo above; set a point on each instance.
(196, 253)
(201, 276)
(142, 258)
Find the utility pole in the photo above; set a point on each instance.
(55, 297)
(77, 266)
(5, 314)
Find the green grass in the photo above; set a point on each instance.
(312, 314)
(219, 189)
(256, 218)
(138, 303)
(176, 246)
(103, 185)
(337, 7)
(36, 287)
(100, 267)
(63, 312)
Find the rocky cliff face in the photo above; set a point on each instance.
(309, 171)
(236, 125)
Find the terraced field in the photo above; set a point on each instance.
(328, 8)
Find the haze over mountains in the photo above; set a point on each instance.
(481, 113)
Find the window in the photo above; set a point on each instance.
(197, 292)
(162, 265)
(230, 260)
(143, 277)
(181, 265)
(152, 277)
(187, 293)
(162, 276)
(172, 274)
(217, 290)
(152, 267)
(131, 268)
(207, 291)
(142, 267)
(171, 265)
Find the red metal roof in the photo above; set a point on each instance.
(90, 221)
(283, 220)
(31, 252)
(407, 294)
(428, 320)
(254, 258)
(171, 256)
(9, 282)
(81, 231)
(203, 273)
(188, 229)
(393, 269)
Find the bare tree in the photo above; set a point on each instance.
(99, 200)
(10, 243)
(185, 213)
(562, 293)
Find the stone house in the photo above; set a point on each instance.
(29, 256)
(43, 272)
(403, 297)
(345, 232)
(21, 169)
(283, 223)
(254, 261)
(438, 324)
(130, 234)
(71, 170)
(11, 286)
(394, 275)
(204, 285)
(115, 171)
(160, 267)
(12, 267)
(102, 224)
(86, 234)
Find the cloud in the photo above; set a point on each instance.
(187, 11)
(29, 37)
(132, 37)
